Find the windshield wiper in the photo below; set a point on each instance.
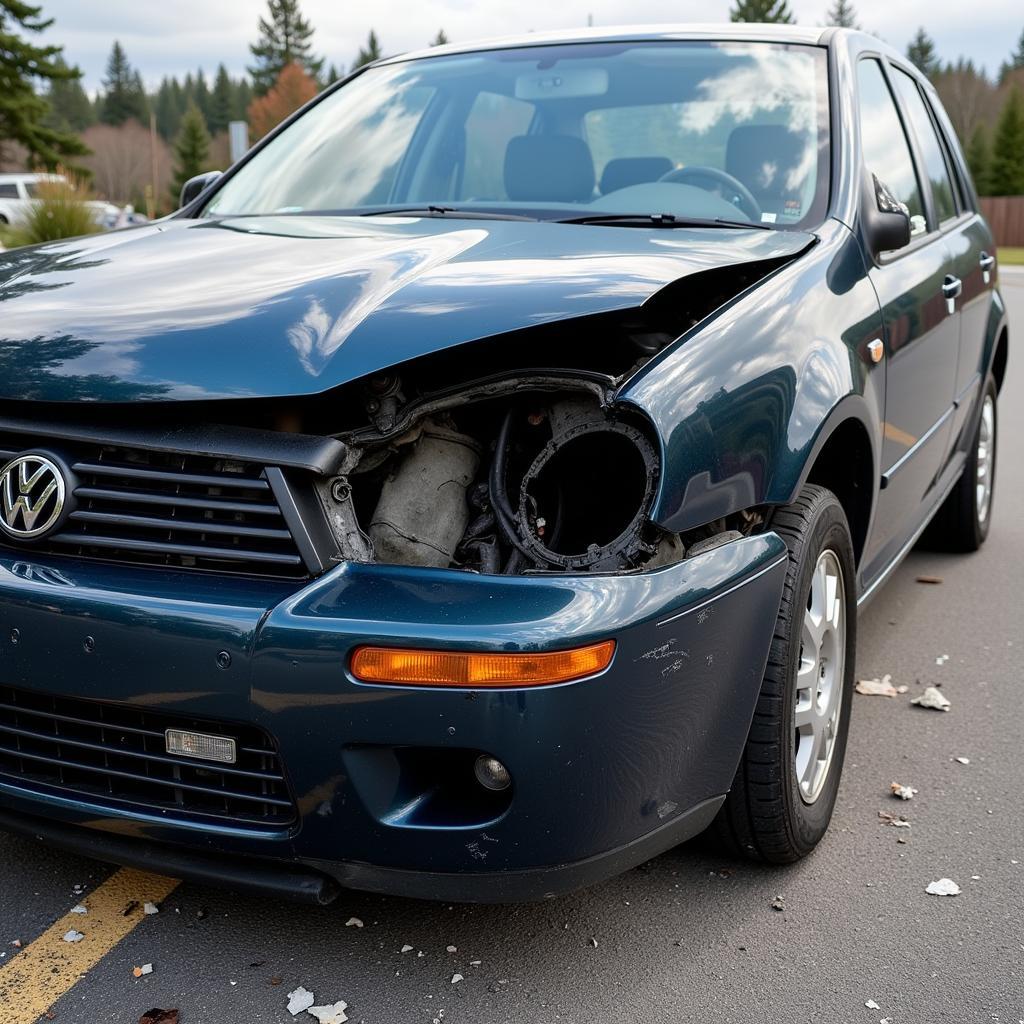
(433, 210)
(662, 220)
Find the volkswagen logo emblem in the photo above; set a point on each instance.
(32, 496)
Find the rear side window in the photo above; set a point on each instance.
(8, 190)
(931, 149)
(886, 149)
(493, 121)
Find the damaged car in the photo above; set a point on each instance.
(471, 493)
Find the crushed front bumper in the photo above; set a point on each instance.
(607, 771)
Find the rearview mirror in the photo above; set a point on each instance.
(886, 219)
(196, 186)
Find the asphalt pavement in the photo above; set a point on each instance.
(690, 936)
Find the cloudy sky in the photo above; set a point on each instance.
(175, 36)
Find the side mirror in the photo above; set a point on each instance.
(196, 186)
(886, 219)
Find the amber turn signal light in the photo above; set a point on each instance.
(400, 666)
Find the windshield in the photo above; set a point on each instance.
(690, 130)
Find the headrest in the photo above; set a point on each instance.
(764, 157)
(549, 168)
(624, 171)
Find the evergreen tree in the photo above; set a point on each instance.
(1015, 62)
(23, 112)
(222, 102)
(441, 39)
(123, 94)
(191, 150)
(1006, 177)
(771, 11)
(842, 15)
(979, 159)
(333, 74)
(243, 97)
(70, 107)
(285, 38)
(167, 105)
(921, 53)
(202, 95)
(369, 53)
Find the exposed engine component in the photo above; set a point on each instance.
(585, 497)
(422, 512)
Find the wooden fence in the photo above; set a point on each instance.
(1005, 214)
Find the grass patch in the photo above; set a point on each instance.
(59, 212)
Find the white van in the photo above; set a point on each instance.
(18, 191)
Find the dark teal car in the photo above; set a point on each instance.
(471, 493)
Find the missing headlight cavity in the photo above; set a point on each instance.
(520, 477)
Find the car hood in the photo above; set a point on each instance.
(275, 306)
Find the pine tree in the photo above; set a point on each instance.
(71, 110)
(979, 159)
(285, 38)
(441, 39)
(123, 94)
(202, 95)
(222, 102)
(191, 150)
(1006, 177)
(1015, 62)
(23, 112)
(333, 74)
(168, 107)
(842, 15)
(369, 53)
(921, 53)
(240, 104)
(771, 11)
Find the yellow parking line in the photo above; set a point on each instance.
(45, 969)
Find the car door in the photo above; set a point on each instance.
(917, 295)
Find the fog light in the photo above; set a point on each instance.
(200, 745)
(492, 774)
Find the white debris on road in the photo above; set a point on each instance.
(778, 903)
(138, 972)
(456, 978)
(872, 1005)
(72, 936)
(150, 908)
(407, 948)
(942, 659)
(943, 887)
(879, 687)
(300, 999)
(79, 909)
(902, 792)
(333, 1014)
(353, 922)
(931, 698)
(962, 760)
(451, 949)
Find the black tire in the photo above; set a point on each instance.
(959, 524)
(765, 816)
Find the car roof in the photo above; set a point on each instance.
(740, 32)
(28, 176)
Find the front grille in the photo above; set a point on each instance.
(162, 508)
(115, 755)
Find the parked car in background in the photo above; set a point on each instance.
(472, 492)
(19, 191)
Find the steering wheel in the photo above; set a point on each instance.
(743, 199)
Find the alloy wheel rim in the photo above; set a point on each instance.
(820, 675)
(986, 440)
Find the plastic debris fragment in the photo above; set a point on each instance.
(353, 922)
(943, 887)
(332, 1014)
(879, 687)
(300, 999)
(931, 698)
(72, 936)
(902, 792)
(79, 909)
(150, 908)
(778, 903)
(962, 760)
(456, 978)
(144, 969)
(872, 1005)
(407, 949)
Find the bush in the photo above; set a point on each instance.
(59, 212)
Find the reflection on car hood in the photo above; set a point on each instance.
(277, 306)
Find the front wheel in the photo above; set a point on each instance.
(785, 788)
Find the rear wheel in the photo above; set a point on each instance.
(786, 784)
(962, 523)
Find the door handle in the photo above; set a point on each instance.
(951, 289)
(986, 262)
